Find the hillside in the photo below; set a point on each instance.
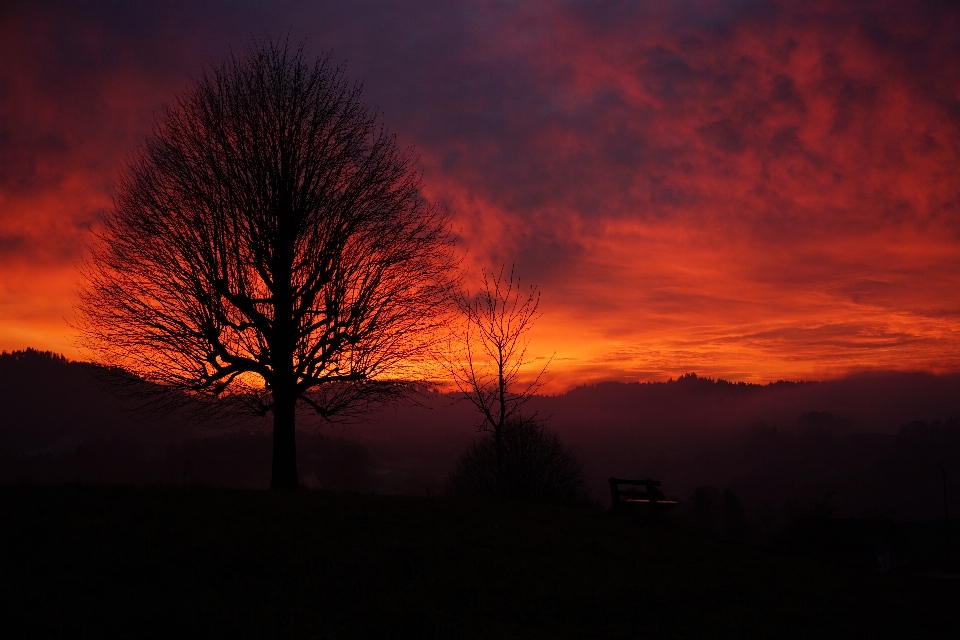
(878, 443)
(62, 422)
(175, 562)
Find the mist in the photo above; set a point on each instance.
(874, 444)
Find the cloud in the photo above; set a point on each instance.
(681, 179)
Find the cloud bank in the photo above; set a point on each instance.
(747, 190)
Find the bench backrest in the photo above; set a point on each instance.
(618, 496)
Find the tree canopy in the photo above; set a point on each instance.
(270, 242)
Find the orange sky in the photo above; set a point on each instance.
(747, 191)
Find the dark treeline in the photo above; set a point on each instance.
(867, 445)
(879, 443)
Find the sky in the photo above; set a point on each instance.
(747, 190)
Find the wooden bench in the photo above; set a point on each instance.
(651, 497)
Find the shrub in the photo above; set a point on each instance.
(537, 467)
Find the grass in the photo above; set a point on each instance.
(118, 561)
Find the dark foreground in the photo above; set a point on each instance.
(83, 561)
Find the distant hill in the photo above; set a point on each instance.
(61, 422)
(878, 442)
(785, 442)
(51, 405)
(782, 447)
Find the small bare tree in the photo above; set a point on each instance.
(487, 356)
(270, 242)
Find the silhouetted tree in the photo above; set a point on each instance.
(532, 464)
(486, 360)
(269, 242)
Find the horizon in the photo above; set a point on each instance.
(750, 193)
(688, 377)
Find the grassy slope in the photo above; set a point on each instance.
(170, 562)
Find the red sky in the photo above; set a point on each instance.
(746, 190)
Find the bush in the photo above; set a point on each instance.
(537, 467)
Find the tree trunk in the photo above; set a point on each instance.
(284, 381)
(501, 488)
(284, 441)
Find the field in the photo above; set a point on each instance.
(121, 561)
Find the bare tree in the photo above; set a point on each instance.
(487, 356)
(269, 242)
